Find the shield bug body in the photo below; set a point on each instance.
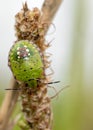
(26, 62)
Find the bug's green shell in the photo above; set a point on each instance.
(26, 63)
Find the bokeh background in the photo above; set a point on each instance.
(72, 51)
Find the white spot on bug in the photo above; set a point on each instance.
(18, 48)
(28, 54)
(25, 46)
(26, 58)
(27, 50)
(18, 53)
(18, 57)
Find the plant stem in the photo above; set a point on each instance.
(8, 105)
(49, 9)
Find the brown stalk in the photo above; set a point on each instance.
(8, 105)
(49, 9)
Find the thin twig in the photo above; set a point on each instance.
(49, 10)
(8, 105)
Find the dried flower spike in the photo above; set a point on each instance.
(28, 63)
(28, 24)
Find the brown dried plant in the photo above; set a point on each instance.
(35, 102)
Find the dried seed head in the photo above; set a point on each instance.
(28, 25)
(35, 102)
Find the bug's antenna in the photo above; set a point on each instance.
(53, 82)
(33, 79)
(13, 89)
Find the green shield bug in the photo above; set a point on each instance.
(26, 62)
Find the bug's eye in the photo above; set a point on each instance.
(23, 52)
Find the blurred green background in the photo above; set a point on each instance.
(72, 62)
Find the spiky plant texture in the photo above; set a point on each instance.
(36, 105)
